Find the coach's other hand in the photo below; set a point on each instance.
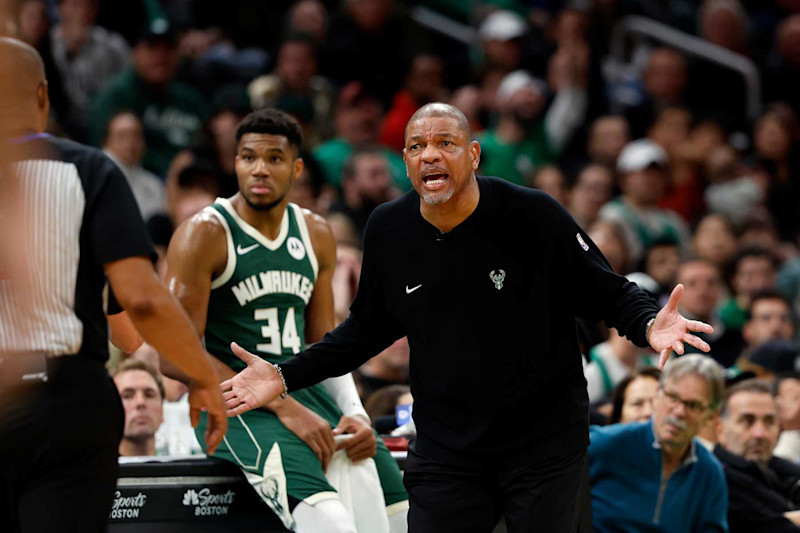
(670, 330)
(253, 387)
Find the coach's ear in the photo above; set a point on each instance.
(475, 154)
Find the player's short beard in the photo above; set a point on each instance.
(437, 198)
(263, 207)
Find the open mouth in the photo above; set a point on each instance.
(435, 179)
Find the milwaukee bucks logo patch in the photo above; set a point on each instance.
(497, 276)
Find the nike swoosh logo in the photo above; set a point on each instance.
(242, 251)
(409, 291)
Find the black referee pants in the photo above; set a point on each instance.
(542, 496)
(58, 450)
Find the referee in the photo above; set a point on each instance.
(60, 415)
(486, 279)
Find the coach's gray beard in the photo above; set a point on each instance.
(437, 198)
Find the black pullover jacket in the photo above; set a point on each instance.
(489, 309)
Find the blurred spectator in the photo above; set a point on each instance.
(787, 397)
(670, 127)
(643, 175)
(610, 362)
(142, 396)
(500, 35)
(775, 143)
(124, 144)
(751, 270)
(724, 23)
(347, 273)
(661, 262)
(664, 79)
(366, 183)
(363, 42)
(390, 367)
(424, 83)
(527, 137)
(607, 137)
(294, 81)
(33, 27)
(650, 475)
(782, 80)
(552, 181)
(761, 488)
(769, 319)
(216, 145)
(730, 192)
(87, 56)
(358, 116)
(689, 159)
(172, 113)
(591, 190)
(760, 232)
(195, 189)
(773, 357)
(311, 17)
(702, 294)
(610, 239)
(634, 396)
(309, 189)
(714, 240)
(381, 406)
(467, 99)
(384, 400)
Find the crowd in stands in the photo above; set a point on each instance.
(655, 155)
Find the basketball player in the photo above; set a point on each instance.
(256, 269)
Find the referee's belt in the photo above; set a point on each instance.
(23, 369)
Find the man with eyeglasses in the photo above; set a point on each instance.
(763, 488)
(653, 475)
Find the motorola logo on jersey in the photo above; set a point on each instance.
(296, 248)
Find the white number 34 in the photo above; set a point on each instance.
(272, 331)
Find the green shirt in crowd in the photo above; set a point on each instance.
(171, 118)
(514, 162)
(331, 156)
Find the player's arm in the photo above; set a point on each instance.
(197, 253)
(320, 319)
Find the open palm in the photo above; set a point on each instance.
(671, 330)
(253, 387)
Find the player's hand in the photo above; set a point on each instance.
(209, 399)
(253, 387)
(670, 330)
(363, 444)
(311, 429)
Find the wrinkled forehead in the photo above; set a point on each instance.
(429, 127)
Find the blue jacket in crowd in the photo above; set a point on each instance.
(628, 494)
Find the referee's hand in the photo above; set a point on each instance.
(209, 398)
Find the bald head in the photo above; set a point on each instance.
(23, 102)
(440, 109)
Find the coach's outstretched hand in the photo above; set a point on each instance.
(253, 387)
(670, 330)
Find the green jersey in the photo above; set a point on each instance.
(260, 298)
